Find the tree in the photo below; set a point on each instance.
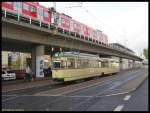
(145, 52)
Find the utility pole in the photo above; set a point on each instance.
(54, 5)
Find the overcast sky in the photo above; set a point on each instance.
(123, 22)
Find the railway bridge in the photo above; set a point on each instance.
(37, 40)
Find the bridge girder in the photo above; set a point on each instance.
(33, 35)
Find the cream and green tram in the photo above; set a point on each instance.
(70, 66)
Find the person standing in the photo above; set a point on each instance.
(28, 73)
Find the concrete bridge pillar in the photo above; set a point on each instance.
(33, 61)
(121, 63)
(131, 64)
(134, 64)
(37, 55)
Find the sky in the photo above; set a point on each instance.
(123, 22)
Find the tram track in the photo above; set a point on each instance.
(33, 90)
(57, 89)
(104, 86)
(93, 98)
(86, 84)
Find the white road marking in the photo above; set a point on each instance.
(114, 94)
(12, 109)
(128, 91)
(127, 97)
(10, 98)
(84, 96)
(9, 95)
(118, 108)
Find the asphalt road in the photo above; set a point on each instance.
(139, 100)
(88, 99)
(102, 89)
(136, 101)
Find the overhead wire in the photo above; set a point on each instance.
(115, 33)
(98, 20)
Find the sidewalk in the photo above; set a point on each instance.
(12, 82)
(23, 84)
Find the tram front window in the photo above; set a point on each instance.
(56, 64)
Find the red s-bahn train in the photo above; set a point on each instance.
(61, 21)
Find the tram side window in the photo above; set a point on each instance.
(78, 63)
(99, 64)
(63, 64)
(71, 63)
(93, 64)
(90, 64)
(84, 63)
(104, 64)
(96, 63)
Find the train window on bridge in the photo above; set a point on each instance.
(67, 23)
(76, 26)
(63, 21)
(17, 4)
(9, 3)
(46, 14)
(32, 9)
(40, 11)
(25, 7)
(85, 29)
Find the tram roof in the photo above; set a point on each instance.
(77, 54)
